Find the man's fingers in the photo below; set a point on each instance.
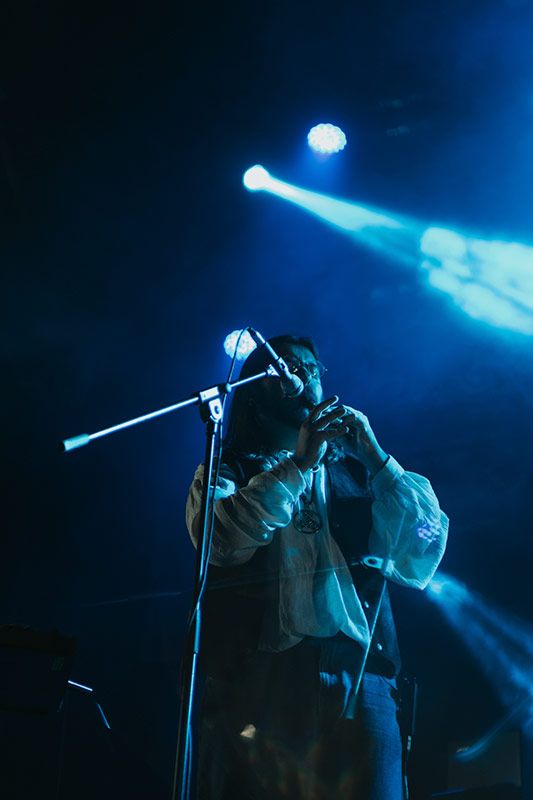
(325, 404)
(331, 416)
(356, 421)
(333, 433)
(354, 415)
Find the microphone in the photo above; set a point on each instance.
(291, 384)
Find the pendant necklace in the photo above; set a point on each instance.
(305, 518)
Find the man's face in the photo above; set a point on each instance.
(293, 411)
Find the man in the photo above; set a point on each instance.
(304, 493)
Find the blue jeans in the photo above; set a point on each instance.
(363, 755)
(282, 729)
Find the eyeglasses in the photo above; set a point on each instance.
(313, 370)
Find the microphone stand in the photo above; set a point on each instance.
(211, 403)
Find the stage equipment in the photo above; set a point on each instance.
(408, 696)
(244, 348)
(291, 384)
(494, 759)
(34, 705)
(326, 139)
(256, 178)
(34, 669)
(211, 405)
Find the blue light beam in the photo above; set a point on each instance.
(384, 232)
(491, 281)
(502, 644)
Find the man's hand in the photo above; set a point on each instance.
(366, 445)
(324, 423)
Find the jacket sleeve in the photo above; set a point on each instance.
(409, 529)
(246, 518)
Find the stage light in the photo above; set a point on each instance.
(246, 345)
(491, 281)
(502, 644)
(256, 178)
(326, 139)
(342, 214)
(436, 585)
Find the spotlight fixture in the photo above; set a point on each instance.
(256, 178)
(326, 139)
(246, 344)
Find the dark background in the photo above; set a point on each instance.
(130, 249)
